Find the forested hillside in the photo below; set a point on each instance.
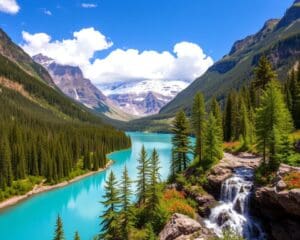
(44, 133)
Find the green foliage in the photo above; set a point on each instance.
(213, 142)
(180, 141)
(273, 124)
(199, 122)
(126, 213)
(143, 176)
(111, 222)
(229, 234)
(59, 231)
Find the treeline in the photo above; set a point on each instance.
(208, 131)
(263, 114)
(36, 143)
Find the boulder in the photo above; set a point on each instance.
(181, 227)
(280, 206)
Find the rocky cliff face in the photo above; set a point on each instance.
(70, 80)
(279, 206)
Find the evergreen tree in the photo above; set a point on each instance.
(273, 124)
(245, 129)
(59, 231)
(143, 176)
(76, 236)
(126, 214)
(198, 123)
(6, 175)
(294, 89)
(228, 118)
(111, 223)
(216, 111)
(180, 142)
(153, 190)
(263, 73)
(213, 142)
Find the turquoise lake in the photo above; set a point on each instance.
(78, 203)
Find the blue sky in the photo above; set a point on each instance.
(145, 24)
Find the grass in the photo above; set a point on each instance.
(292, 180)
(20, 187)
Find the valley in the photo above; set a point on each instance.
(136, 133)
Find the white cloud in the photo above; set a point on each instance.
(48, 12)
(76, 51)
(186, 62)
(9, 6)
(88, 5)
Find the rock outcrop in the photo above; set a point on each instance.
(279, 206)
(224, 170)
(181, 227)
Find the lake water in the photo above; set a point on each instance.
(78, 203)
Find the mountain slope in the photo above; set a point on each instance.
(70, 80)
(279, 40)
(18, 56)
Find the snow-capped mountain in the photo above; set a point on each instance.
(70, 80)
(142, 97)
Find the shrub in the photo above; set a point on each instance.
(292, 180)
(182, 207)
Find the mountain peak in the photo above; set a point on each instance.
(42, 59)
(291, 15)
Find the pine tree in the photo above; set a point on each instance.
(6, 175)
(294, 88)
(213, 142)
(126, 219)
(153, 190)
(143, 176)
(216, 111)
(111, 224)
(273, 124)
(198, 123)
(263, 73)
(180, 142)
(76, 236)
(245, 129)
(59, 231)
(228, 118)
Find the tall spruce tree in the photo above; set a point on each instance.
(126, 214)
(245, 128)
(143, 176)
(111, 222)
(153, 189)
(59, 231)
(180, 142)
(213, 142)
(263, 73)
(273, 124)
(199, 123)
(216, 111)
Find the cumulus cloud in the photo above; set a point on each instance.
(88, 5)
(186, 62)
(9, 6)
(76, 51)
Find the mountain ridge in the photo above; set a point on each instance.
(279, 44)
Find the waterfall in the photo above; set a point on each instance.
(233, 211)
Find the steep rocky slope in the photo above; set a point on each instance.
(70, 80)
